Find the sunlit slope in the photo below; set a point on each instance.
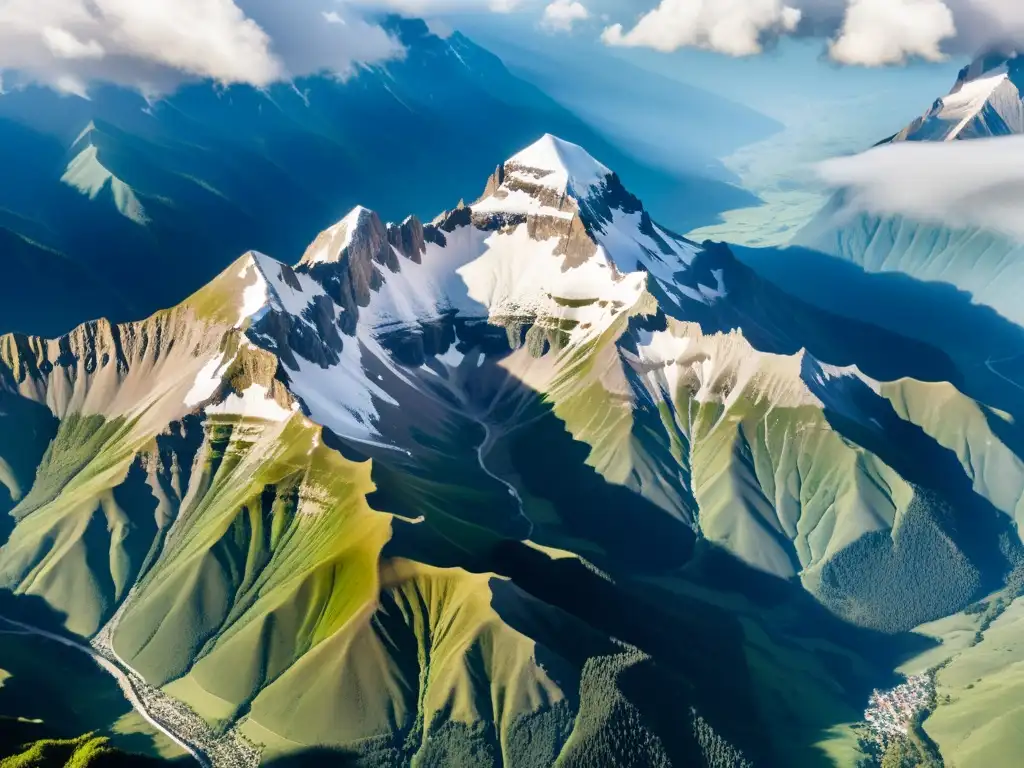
(980, 723)
(437, 672)
(801, 468)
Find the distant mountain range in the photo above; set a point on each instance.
(118, 206)
(958, 290)
(985, 102)
(664, 121)
(537, 483)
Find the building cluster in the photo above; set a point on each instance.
(889, 713)
(229, 749)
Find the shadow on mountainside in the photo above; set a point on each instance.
(945, 500)
(983, 344)
(779, 320)
(675, 598)
(699, 649)
(57, 692)
(740, 646)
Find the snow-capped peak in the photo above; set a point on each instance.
(558, 164)
(966, 103)
(332, 242)
(985, 101)
(985, 65)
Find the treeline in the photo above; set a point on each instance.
(717, 752)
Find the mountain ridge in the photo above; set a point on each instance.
(217, 171)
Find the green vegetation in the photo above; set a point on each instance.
(915, 750)
(87, 751)
(895, 582)
(49, 691)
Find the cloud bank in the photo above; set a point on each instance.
(859, 32)
(962, 184)
(734, 27)
(153, 45)
(880, 32)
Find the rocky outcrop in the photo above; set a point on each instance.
(408, 239)
(521, 178)
(93, 366)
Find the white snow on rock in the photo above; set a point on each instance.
(567, 167)
(207, 381)
(254, 297)
(427, 290)
(341, 397)
(288, 291)
(452, 357)
(986, 103)
(724, 367)
(275, 286)
(254, 403)
(478, 273)
(517, 201)
(963, 106)
(508, 273)
(631, 249)
(332, 242)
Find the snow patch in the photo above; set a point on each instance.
(452, 357)
(254, 297)
(340, 397)
(254, 403)
(207, 381)
(283, 289)
(518, 201)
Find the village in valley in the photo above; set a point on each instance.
(890, 713)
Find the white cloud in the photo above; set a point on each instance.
(976, 183)
(861, 32)
(733, 27)
(65, 45)
(560, 15)
(154, 44)
(310, 36)
(429, 7)
(880, 32)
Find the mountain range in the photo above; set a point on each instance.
(539, 482)
(124, 205)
